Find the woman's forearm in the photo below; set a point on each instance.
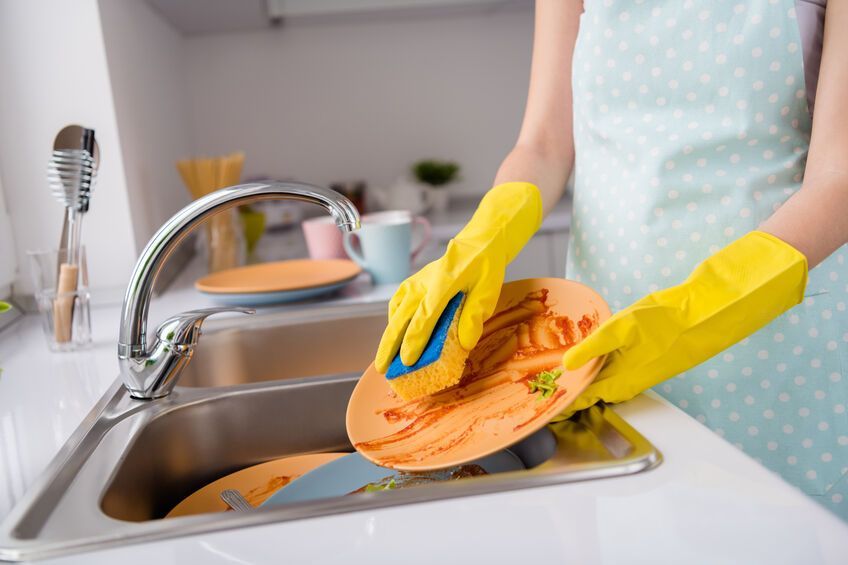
(815, 219)
(548, 171)
(544, 153)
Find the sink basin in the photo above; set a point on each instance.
(199, 442)
(284, 345)
(131, 461)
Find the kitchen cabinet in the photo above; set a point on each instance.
(543, 256)
(198, 17)
(289, 8)
(559, 245)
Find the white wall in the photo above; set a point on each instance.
(53, 72)
(317, 100)
(364, 99)
(147, 70)
(8, 261)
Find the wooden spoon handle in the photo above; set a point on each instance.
(63, 305)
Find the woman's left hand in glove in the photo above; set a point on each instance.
(727, 297)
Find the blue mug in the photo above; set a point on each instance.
(385, 244)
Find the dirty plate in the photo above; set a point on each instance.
(282, 281)
(255, 483)
(353, 473)
(493, 407)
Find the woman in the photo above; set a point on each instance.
(702, 186)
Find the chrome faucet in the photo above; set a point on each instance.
(152, 373)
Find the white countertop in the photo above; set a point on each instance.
(707, 502)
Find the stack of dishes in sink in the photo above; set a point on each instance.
(256, 483)
(316, 476)
(278, 282)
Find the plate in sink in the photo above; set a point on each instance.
(278, 282)
(493, 406)
(353, 474)
(256, 483)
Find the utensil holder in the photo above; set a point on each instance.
(63, 298)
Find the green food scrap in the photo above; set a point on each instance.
(545, 383)
(374, 487)
(4, 306)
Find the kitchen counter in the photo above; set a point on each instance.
(707, 502)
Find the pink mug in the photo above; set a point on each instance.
(323, 238)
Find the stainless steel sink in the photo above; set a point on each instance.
(286, 345)
(131, 461)
(189, 445)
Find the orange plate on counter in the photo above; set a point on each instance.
(281, 276)
(256, 483)
(535, 322)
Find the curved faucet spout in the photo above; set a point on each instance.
(140, 365)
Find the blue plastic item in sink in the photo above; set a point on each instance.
(352, 472)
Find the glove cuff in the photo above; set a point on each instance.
(771, 255)
(512, 210)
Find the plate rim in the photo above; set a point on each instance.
(291, 290)
(327, 457)
(201, 287)
(595, 366)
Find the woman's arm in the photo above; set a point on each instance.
(544, 152)
(815, 219)
(530, 181)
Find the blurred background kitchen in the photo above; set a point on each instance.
(344, 93)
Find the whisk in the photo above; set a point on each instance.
(71, 174)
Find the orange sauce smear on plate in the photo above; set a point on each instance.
(517, 344)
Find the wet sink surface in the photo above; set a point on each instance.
(284, 346)
(195, 444)
(191, 445)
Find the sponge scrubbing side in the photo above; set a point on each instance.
(440, 365)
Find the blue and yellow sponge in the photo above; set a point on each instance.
(440, 365)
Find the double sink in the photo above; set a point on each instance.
(260, 388)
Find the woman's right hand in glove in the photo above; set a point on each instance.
(474, 263)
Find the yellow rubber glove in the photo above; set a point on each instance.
(475, 262)
(726, 298)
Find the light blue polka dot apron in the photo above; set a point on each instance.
(691, 127)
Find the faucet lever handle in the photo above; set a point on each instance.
(184, 328)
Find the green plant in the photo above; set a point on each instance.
(435, 173)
